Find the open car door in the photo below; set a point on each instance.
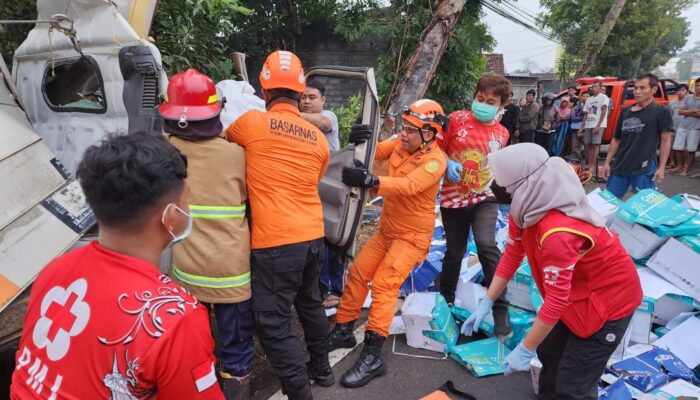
(43, 211)
(351, 93)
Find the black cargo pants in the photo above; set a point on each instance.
(571, 366)
(481, 217)
(281, 277)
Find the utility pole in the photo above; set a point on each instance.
(596, 44)
(425, 59)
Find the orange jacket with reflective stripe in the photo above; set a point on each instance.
(410, 191)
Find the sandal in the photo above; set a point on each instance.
(331, 300)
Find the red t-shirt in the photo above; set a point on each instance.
(105, 325)
(468, 142)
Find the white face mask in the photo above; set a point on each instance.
(178, 238)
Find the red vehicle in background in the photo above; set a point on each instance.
(621, 93)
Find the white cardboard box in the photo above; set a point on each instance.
(661, 298)
(639, 241)
(604, 203)
(417, 313)
(676, 388)
(680, 265)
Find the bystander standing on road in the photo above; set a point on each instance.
(595, 120)
(675, 161)
(688, 135)
(631, 160)
(547, 122)
(509, 120)
(527, 119)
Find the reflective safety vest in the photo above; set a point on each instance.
(213, 263)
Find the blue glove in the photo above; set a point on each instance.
(454, 170)
(518, 359)
(472, 323)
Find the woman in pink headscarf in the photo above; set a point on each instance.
(588, 281)
(564, 116)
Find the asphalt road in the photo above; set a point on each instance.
(413, 378)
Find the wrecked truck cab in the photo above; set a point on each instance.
(86, 75)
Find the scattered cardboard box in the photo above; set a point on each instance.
(482, 357)
(680, 265)
(604, 202)
(428, 322)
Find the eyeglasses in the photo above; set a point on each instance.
(411, 130)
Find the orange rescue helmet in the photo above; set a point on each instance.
(191, 96)
(426, 114)
(283, 70)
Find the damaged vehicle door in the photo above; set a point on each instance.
(88, 74)
(43, 211)
(351, 93)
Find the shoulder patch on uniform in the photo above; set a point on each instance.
(432, 166)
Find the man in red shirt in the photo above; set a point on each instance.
(103, 321)
(588, 281)
(466, 200)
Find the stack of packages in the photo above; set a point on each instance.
(660, 349)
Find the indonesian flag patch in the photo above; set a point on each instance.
(204, 375)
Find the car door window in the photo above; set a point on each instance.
(74, 85)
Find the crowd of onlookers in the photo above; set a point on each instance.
(571, 125)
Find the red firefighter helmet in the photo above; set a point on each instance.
(192, 96)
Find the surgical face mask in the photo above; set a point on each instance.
(500, 193)
(484, 112)
(178, 238)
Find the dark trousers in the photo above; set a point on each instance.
(457, 221)
(333, 272)
(235, 327)
(281, 277)
(545, 140)
(526, 137)
(572, 366)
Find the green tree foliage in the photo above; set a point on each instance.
(13, 35)
(566, 67)
(647, 34)
(461, 65)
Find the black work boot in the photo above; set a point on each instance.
(297, 388)
(234, 387)
(369, 365)
(319, 370)
(342, 336)
(501, 323)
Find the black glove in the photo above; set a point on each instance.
(359, 134)
(359, 176)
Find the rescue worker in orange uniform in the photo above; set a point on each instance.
(416, 165)
(286, 158)
(213, 263)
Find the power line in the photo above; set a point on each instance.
(522, 9)
(509, 16)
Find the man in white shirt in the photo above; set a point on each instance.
(595, 120)
(311, 106)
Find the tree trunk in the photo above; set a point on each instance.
(594, 47)
(425, 59)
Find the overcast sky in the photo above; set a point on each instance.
(518, 44)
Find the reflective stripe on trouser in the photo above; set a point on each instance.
(217, 212)
(209, 282)
(386, 263)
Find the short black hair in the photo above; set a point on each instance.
(588, 92)
(316, 84)
(532, 92)
(571, 87)
(126, 177)
(683, 85)
(653, 79)
(282, 92)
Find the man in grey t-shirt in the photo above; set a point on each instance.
(688, 135)
(676, 159)
(311, 107)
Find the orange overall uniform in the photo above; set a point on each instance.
(404, 236)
